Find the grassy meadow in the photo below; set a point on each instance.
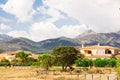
(37, 73)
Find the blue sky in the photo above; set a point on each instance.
(43, 19)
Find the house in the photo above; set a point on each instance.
(7, 55)
(98, 51)
(11, 55)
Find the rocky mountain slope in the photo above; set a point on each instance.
(89, 37)
(21, 43)
(92, 38)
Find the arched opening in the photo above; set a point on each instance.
(89, 52)
(107, 51)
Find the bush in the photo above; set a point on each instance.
(27, 62)
(118, 68)
(105, 62)
(45, 60)
(4, 62)
(36, 64)
(84, 62)
(97, 63)
(112, 62)
(20, 63)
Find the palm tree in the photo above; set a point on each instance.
(22, 55)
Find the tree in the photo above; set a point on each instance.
(118, 67)
(45, 60)
(66, 56)
(22, 55)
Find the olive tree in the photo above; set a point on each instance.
(66, 56)
(45, 60)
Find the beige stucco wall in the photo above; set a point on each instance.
(94, 51)
(112, 51)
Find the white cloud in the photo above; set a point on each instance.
(4, 27)
(17, 33)
(5, 20)
(100, 15)
(46, 30)
(43, 30)
(72, 31)
(53, 13)
(22, 9)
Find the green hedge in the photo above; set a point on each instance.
(97, 63)
(84, 62)
(105, 62)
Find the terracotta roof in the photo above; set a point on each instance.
(99, 47)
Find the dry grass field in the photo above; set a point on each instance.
(36, 73)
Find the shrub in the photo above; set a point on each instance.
(27, 62)
(4, 62)
(105, 62)
(35, 64)
(118, 68)
(20, 63)
(84, 62)
(45, 60)
(112, 62)
(99, 63)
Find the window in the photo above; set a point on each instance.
(107, 51)
(100, 51)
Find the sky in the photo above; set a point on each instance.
(44, 19)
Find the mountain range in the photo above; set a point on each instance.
(8, 43)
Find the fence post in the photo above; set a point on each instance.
(78, 75)
(100, 77)
(85, 76)
(107, 77)
(92, 76)
(117, 78)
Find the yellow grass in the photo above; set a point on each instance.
(29, 73)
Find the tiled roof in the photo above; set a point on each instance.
(99, 47)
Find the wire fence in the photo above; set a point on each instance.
(57, 75)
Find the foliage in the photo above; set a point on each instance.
(22, 55)
(84, 62)
(31, 59)
(4, 62)
(112, 62)
(28, 62)
(36, 64)
(65, 56)
(19, 63)
(118, 67)
(45, 60)
(105, 62)
(97, 63)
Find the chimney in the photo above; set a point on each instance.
(82, 45)
(98, 44)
